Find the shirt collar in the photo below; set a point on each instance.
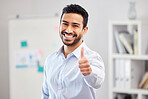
(61, 50)
(76, 52)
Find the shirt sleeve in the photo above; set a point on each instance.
(45, 93)
(96, 77)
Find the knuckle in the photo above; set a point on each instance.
(79, 61)
(80, 66)
(87, 64)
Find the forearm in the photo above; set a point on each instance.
(96, 78)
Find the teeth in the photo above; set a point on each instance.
(68, 36)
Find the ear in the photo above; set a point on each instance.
(85, 30)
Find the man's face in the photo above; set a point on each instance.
(71, 28)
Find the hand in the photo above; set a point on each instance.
(84, 64)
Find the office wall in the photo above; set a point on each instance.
(100, 11)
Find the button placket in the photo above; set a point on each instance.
(61, 73)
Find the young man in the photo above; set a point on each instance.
(74, 70)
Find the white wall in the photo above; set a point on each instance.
(100, 11)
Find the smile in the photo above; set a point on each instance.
(68, 35)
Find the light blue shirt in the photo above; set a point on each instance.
(64, 80)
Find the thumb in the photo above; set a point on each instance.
(82, 52)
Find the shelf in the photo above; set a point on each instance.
(131, 91)
(128, 56)
(126, 22)
(129, 22)
(129, 67)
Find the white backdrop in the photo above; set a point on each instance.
(40, 34)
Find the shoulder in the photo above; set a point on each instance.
(91, 53)
(94, 57)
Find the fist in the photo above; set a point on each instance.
(84, 64)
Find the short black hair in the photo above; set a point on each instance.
(74, 8)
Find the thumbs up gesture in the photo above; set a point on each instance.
(84, 64)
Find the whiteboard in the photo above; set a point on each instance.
(39, 34)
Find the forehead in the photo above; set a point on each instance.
(72, 18)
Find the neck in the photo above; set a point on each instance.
(70, 49)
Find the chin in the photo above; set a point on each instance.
(68, 44)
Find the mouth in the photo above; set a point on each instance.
(68, 35)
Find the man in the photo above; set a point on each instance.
(74, 70)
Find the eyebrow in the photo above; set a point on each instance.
(64, 21)
(72, 23)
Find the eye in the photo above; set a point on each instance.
(65, 24)
(75, 26)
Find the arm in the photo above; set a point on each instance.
(45, 93)
(92, 68)
(97, 75)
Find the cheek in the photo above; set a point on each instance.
(79, 32)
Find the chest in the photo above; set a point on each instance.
(64, 72)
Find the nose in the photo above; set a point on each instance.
(69, 29)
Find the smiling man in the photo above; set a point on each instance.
(74, 70)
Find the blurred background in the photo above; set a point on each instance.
(100, 13)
